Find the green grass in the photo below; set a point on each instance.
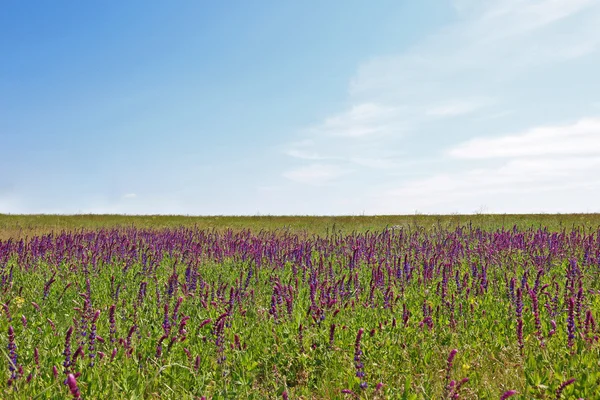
(18, 226)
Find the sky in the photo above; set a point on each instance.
(341, 107)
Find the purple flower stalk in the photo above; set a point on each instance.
(571, 323)
(175, 316)
(219, 332)
(67, 351)
(12, 354)
(36, 357)
(507, 394)
(536, 315)
(113, 354)
(111, 321)
(92, 342)
(450, 362)
(519, 312)
(72, 383)
(455, 393)
(166, 325)
(159, 345)
(563, 386)
(128, 340)
(83, 325)
(78, 353)
(331, 335)
(360, 373)
(7, 312)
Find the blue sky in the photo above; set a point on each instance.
(312, 107)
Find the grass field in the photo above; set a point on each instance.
(20, 226)
(399, 307)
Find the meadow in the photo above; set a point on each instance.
(398, 307)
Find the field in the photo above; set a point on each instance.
(399, 307)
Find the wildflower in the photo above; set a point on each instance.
(111, 321)
(563, 386)
(536, 315)
(204, 323)
(36, 357)
(78, 353)
(92, 342)
(449, 363)
(67, 351)
(331, 334)
(571, 322)
(357, 359)
(72, 383)
(507, 394)
(553, 330)
(12, 354)
(519, 312)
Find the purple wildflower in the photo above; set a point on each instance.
(92, 342)
(12, 354)
(72, 383)
(67, 351)
(111, 321)
(562, 387)
(357, 359)
(507, 394)
(331, 335)
(519, 312)
(449, 363)
(571, 322)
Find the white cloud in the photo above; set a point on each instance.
(547, 181)
(377, 163)
(362, 120)
(580, 138)
(458, 73)
(457, 107)
(492, 42)
(130, 196)
(468, 79)
(316, 174)
(304, 155)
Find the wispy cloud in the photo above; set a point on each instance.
(365, 119)
(316, 174)
(130, 196)
(487, 46)
(457, 74)
(457, 107)
(580, 138)
(551, 182)
(411, 115)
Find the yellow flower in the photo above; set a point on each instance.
(19, 301)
